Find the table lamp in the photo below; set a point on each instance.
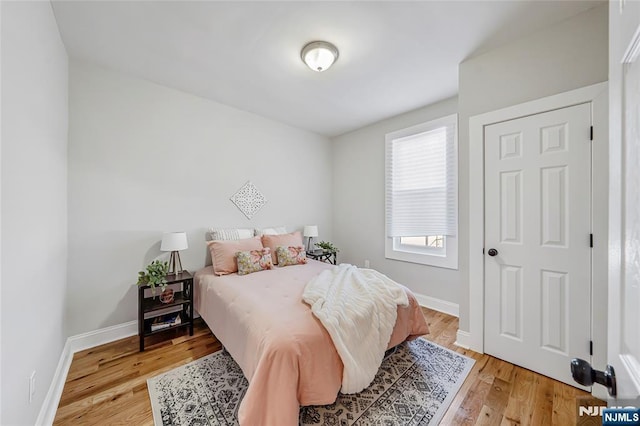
(310, 231)
(174, 242)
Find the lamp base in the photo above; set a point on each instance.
(174, 260)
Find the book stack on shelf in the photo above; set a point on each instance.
(166, 321)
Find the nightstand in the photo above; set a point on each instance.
(152, 312)
(323, 256)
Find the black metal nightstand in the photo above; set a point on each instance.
(323, 256)
(151, 308)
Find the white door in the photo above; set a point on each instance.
(538, 220)
(624, 200)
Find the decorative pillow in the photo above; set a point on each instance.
(223, 253)
(293, 239)
(226, 234)
(254, 261)
(294, 255)
(276, 230)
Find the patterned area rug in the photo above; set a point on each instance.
(414, 386)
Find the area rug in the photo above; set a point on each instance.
(414, 386)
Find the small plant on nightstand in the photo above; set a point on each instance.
(327, 246)
(155, 275)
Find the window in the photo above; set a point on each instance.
(422, 194)
(430, 242)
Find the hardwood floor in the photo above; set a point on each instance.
(107, 385)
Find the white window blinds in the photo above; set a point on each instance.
(421, 180)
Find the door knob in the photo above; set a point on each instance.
(492, 252)
(585, 375)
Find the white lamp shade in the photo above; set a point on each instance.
(319, 55)
(311, 231)
(174, 241)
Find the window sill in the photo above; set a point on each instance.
(448, 261)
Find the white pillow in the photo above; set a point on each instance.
(276, 230)
(226, 234)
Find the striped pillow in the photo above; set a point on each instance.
(228, 234)
(274, 230)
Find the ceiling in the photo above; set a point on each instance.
(394, 56)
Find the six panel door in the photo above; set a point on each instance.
(538, 218)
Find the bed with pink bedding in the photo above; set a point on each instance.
(284, 351)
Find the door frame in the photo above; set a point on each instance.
(624, 48)
(597, 95)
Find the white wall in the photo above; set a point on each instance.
(359, 192)
(562, 57)
(34, 204)
(144, 159)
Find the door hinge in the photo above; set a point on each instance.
(591, 135)
(590, 347)
(591, 240)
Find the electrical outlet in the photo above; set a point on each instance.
(366, 263)
(32, 385)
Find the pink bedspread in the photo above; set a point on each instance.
(284, 351)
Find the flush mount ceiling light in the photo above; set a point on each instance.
(319, 55)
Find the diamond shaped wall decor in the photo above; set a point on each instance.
(248, 199)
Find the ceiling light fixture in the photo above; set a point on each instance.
(319, 55)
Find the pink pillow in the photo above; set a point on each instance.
(223, 253)
(284, 240)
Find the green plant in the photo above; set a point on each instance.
(327, 246)
(156, 275)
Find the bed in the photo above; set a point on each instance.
(283, 350)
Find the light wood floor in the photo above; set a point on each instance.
(107, 385)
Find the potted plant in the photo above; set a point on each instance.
(156, 275)
(327, 246)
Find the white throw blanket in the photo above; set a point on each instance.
(358, 307)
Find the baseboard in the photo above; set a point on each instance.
(99, 337)
(75, 344)
(52, 399)
(439, 305)
(463, 339)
